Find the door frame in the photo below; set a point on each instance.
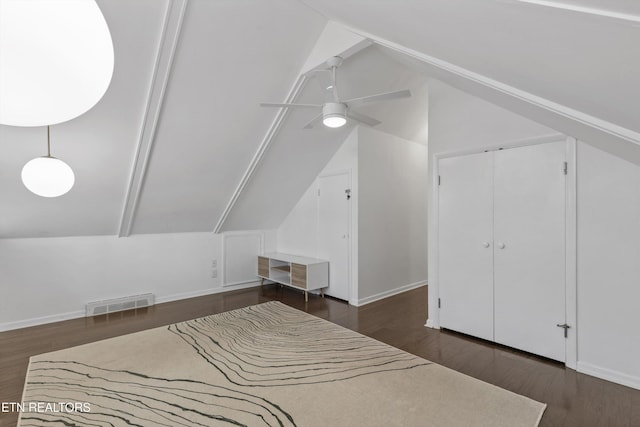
(351, 274)
(571, 300)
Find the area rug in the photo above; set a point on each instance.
(264, 365)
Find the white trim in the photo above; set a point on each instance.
(338, 172)
(571, 300)
(514, 143)
(26, 323)
(609, 375)
(335, 172)
(571, 253)
(271, 134)
(433, 313)
(225, 257)
(203, 292)
(537, 101)
(173, 19)
(159, 300)
(430, 324)
(386, 294)
(582, 9)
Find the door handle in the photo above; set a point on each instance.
(485, 244)
(501, 245)
(565, 327)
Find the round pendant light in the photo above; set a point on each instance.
(48, 176)
(56, 60)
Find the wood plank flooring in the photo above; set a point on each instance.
(573, 399)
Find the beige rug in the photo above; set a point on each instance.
(265, 365)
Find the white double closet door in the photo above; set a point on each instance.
(501, 247)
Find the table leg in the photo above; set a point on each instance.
(306, 296)
(322, 292)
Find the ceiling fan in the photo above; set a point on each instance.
(336, 112)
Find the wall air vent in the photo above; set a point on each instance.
(119, 304)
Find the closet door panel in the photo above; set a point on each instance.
(529, 248)
(465, 244)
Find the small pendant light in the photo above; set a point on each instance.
(48, 176)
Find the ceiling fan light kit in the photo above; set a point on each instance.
(334, 115)
(336, 112)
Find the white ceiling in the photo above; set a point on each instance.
(298, 155)
(582, 61)
(631, 7)
(98, 145)
(231, 56)
(234, 54)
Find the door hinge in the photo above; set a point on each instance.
(565, 327)
(566, 168)
(438, 302)
(438, 179)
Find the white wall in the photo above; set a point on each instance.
(608, 229)
(459, 121)
(392, 225)
(298, 232)
(388, 214)
(608, 266)
(49, 279)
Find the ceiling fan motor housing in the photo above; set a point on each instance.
(334, 109)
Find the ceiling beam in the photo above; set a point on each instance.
(490, 90)
(583, 9)
(264, 145)
(173, 18)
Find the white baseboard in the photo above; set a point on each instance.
(386, 294)
(26, 323)
(609, 375)
(203, 292)
(19, 324)
(431, 325)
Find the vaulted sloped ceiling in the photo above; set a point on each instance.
(99, 145)
(576, 58)
(231, 56)
(297, 155)
(571, 65)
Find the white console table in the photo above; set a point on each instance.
(299, 272)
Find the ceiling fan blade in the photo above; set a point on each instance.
(313, 122)
(271, 104)
(388, 96)
(363, 118)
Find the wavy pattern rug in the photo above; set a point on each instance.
(265, 365)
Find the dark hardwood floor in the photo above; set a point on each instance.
(573, 399)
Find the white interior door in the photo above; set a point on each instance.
(529, 248)
(465, 246)
(333, 231)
